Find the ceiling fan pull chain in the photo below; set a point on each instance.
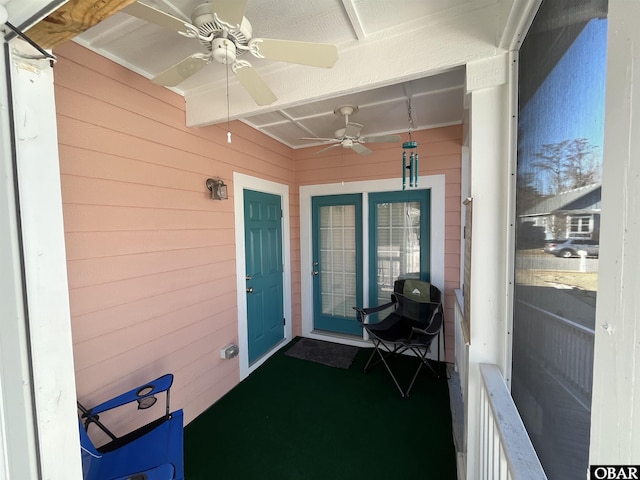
(227, 70)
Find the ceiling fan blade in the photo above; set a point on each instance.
(153, 15)
(253, 83)
(181, 70)
(322, 139)
(380, 139)
(303, 53)
(327, 149)
(230, 11)
(352, 130)
(361, 149)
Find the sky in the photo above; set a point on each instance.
(570, 102)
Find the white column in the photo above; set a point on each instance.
(615, 411)
(18, 458)
(489, 87)
(36, 302)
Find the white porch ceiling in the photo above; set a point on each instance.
(390, 52)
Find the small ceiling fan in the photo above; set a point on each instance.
(349, 136)
(221, 28)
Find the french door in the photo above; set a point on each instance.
(399, 247)
(337, 262)
(398, 240)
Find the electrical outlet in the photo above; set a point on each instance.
(229, 351)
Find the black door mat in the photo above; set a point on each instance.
(326, 353)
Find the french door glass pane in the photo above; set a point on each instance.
(337, 260)
(398, 234)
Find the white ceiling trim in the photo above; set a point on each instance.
(356, 24)
(176, 11)
(128, 25)
(518, 16)
(114, 58)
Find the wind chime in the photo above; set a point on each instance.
(410, 152)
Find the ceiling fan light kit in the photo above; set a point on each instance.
(223, 51)
(349, 136)
(220, 26)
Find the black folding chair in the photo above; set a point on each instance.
(417, 319)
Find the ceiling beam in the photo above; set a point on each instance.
(352, 14)
(73, 18)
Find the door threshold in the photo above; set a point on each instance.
(341, 338)
(266, 355)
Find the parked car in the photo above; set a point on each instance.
(571, 246)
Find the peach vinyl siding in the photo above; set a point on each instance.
(150, 257)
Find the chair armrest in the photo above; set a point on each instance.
(156, 386)
(428, 329)
(363, 312)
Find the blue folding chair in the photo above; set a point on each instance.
(152, 452)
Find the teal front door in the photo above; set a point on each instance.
(337, 262)
(264, 272)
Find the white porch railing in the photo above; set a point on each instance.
(501, 445)
(461, 345)
(562, 347)
(506, 451)
(462, 368)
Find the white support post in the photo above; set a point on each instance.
(488, 84)
(18, 454)
(615, 416)
(44, 287)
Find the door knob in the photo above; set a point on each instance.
(249, 289)
(315, 272)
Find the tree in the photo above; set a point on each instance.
(527, 193)
(581, 163)
(568, 164)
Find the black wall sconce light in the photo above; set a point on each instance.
(218, 188)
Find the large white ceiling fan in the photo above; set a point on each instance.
(349, 136)
(222, 29)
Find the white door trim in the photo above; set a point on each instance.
(240, 183)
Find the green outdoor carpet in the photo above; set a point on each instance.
(297, 419)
